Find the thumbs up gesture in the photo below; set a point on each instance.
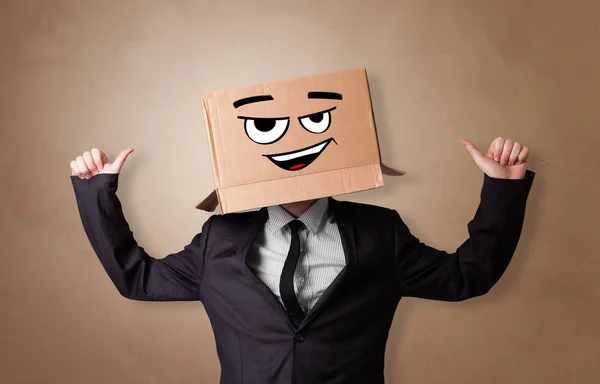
(95, 162)
(505, 159)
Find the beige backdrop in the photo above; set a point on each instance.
(82, 73)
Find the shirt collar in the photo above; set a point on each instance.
(312, 218)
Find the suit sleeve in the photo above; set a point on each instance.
(480, 261)
(136, 275)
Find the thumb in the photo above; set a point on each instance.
(121, 157)
(477, 156)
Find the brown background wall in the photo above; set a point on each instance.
(76, 74)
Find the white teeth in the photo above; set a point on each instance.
(309, 151)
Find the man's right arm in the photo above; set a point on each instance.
(136, 274)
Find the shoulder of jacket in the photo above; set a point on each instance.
(234, 220)
(361, 209)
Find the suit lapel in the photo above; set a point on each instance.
(252, 229)
(348, 238)
(347, 235)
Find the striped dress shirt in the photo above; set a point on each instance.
(321, 253)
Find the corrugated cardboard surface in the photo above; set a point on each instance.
(113, 74)
(290, 189)
(239, 162)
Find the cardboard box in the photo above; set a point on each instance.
(292, 140)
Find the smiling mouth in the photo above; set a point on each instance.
(300, 159)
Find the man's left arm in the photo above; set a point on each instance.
(494, 233)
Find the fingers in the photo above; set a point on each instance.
(121, 157)
(89, 161)
(498, 145)
(73, 168)
(514, 154)
(523, 155)
(82, 170)
(97, 156)
(490, 153)
(508, 146)
(88, 164)
(507, 152)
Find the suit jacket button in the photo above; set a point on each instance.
(299, 337)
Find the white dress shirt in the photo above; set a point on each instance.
(321, 252)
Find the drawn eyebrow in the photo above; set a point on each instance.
(316, 113)
(252, 99)
(325, 95)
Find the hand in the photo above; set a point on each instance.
(95, 162)
(505, 159)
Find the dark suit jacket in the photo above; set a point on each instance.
(342, 340)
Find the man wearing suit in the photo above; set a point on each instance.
(306, 292)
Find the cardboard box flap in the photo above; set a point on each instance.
(210, 203)
(389, 171)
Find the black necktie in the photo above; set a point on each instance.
(286, 284)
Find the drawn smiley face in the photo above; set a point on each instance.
(265, 131)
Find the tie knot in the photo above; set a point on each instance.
(295, 225)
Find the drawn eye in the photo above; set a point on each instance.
(265, 130)
(317, 122)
